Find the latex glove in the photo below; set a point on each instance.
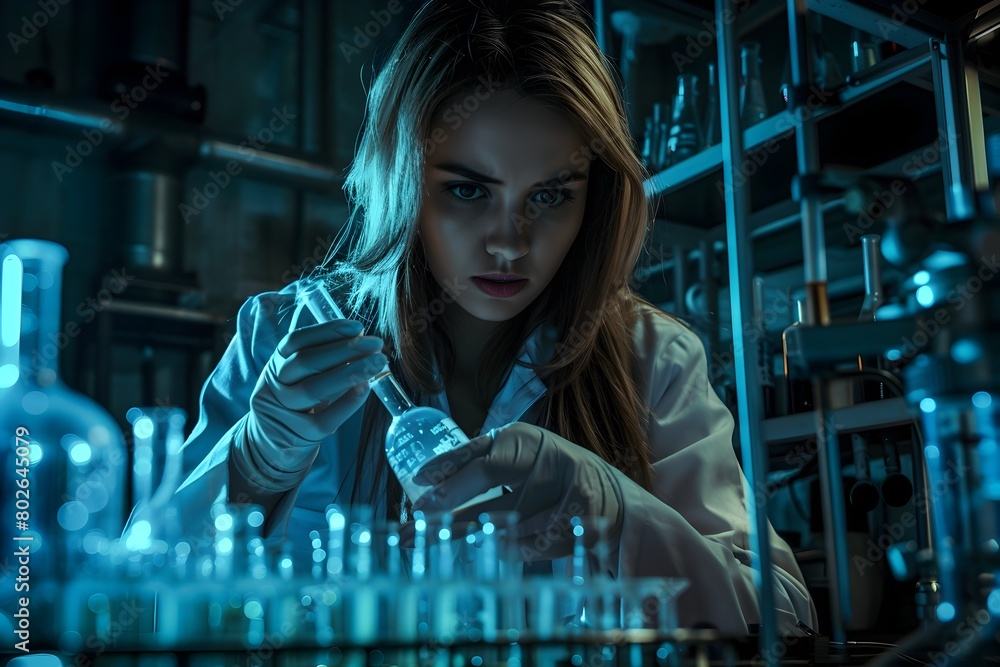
(314, 381)
(552, 480)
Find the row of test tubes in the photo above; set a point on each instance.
(362, 582)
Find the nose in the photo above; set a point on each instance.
(505, 237)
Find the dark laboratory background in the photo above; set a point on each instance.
(118, 120)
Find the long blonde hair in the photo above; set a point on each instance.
(545, 50)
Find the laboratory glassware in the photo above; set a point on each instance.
(67, 454)
(753, 106)
(685, 137)
(418, 435)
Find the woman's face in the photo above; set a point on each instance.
(505, 184)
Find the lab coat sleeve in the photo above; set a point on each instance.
(694, 523)
(185, 513)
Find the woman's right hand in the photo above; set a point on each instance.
(314, 381)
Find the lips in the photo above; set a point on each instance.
(503, 288)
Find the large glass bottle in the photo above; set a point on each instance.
(685, 138)
(753, 105)
(64, 453)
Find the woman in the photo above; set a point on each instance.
(503, 214)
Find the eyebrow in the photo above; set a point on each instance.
(462, 170)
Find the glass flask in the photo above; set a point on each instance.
(64, 451)
(713, 124)
(684, 138)
(417, 435)
(753, 106)
(871, 389)
(800, 393)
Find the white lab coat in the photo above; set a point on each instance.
(694, 525)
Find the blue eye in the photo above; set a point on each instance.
(453, 191)
(554, 198)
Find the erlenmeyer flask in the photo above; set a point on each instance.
(68, 449)
(753, 106)
(685, 136)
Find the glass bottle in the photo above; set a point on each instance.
(800, 393)
(417, 435)
(685, 138)
(871, 390)
(753, 106)
(826, 72)
(713, 124)
(65, 454)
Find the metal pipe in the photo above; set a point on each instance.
(960, 124)
(60, 115)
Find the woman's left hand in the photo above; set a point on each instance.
(553, 480)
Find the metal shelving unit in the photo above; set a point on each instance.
(933, 60)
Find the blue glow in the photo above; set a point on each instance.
(138, 538)
(225, 545)
(893, 355)
(10, 301)
(928, 405)
(982, 399)
(488, 528)
(223, 522)
(966, 351)
(921, 277)
(365, 537)
(80, 452)
(932, 452)
(336, 521)
(8, 375)
(925, 296)
(253, 609)
(34, 453)
(993, 602)
(444, 534)
(255, 518)
(578, 530)
(945, 611)
(143, 427)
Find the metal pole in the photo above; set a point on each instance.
(814, 255)
(748, 393)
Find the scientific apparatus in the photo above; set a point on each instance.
(418, 435)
